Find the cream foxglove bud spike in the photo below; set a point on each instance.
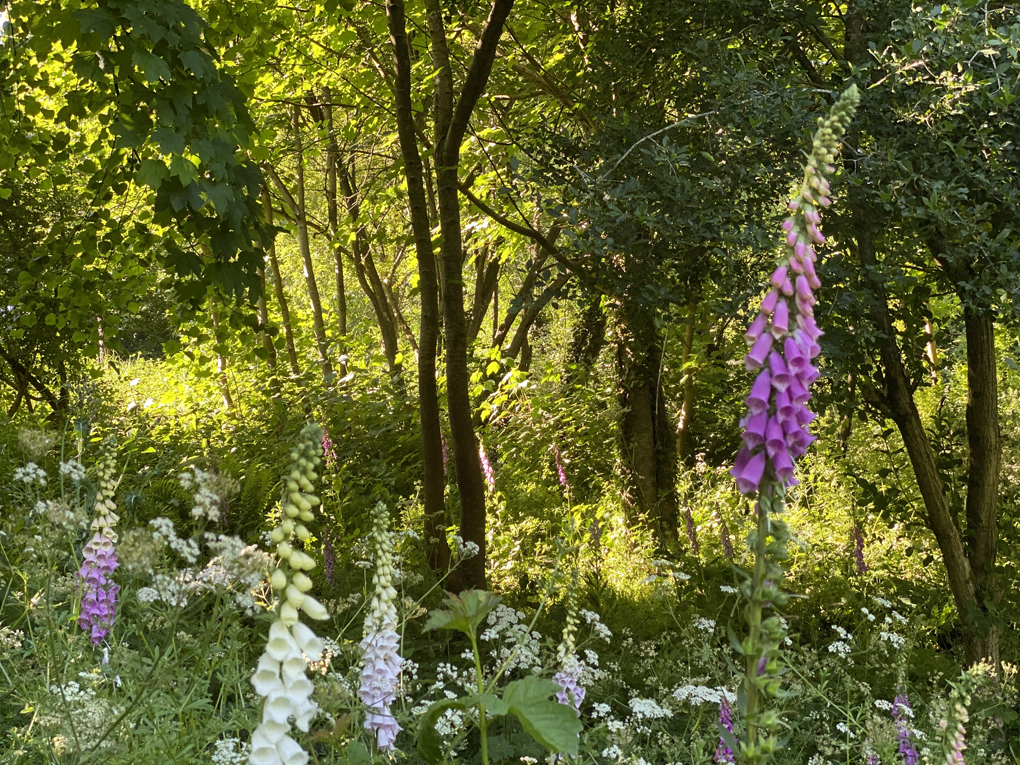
(294, 596)
(280, 676)
(314, 609)
(288, 613)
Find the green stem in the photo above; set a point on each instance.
(481, 704)
(754, 627)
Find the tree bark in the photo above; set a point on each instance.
(433, 484)
(687, 410)
(486, 278)
(281, 296)
(263, 310)
(364, 267)
(451, 122)
(300, 215)
(896, 397)
(649, 444)
(985, 441)
(332, 157)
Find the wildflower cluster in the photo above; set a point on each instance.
(487, 471)
(211, 491)
(381, 661)
(954, 729)
(30, 474)
(903, 714)
(775, 428)
(98, 591)
(723, 752)
(783, 337)
(280, 677)
(73, 470)
(567, 677)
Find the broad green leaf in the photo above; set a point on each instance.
(465, 612)
(152, 172)
(555, 726)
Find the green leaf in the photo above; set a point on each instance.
(153, 67)
(197, 63)
(357, 753)
(466, 611)
(494, 705)
(152, 172)
(553, 725)
(170, 141)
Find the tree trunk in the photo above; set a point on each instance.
(394, 304)
(486, 278)
(433, 485)
(300, 215)
(984, 439)
(451, 124)
(589, 337)
(980, 639)
(332, 157)
(221, 360)
(649, 444)
(687, 410)
(281, 296)
(364, 267)
(263, 312)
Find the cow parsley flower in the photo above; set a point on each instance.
(73, 469)
(30, 474)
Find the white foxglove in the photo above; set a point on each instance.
(281, 673)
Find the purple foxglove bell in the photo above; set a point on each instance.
(754, 430)
(755, 357)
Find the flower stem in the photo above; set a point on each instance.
(481, 704)
(754, 611)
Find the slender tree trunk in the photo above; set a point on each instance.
(450, 126)
(300, 215)
(433, 485)
(221, 360)
(980, 640)
(649, 444)
(687, 410)
(281, 296)
(364, 267)
(486, 279)
(263, 309)
(332, 157)
(985, 441)
(394, 304)
(932, 350)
